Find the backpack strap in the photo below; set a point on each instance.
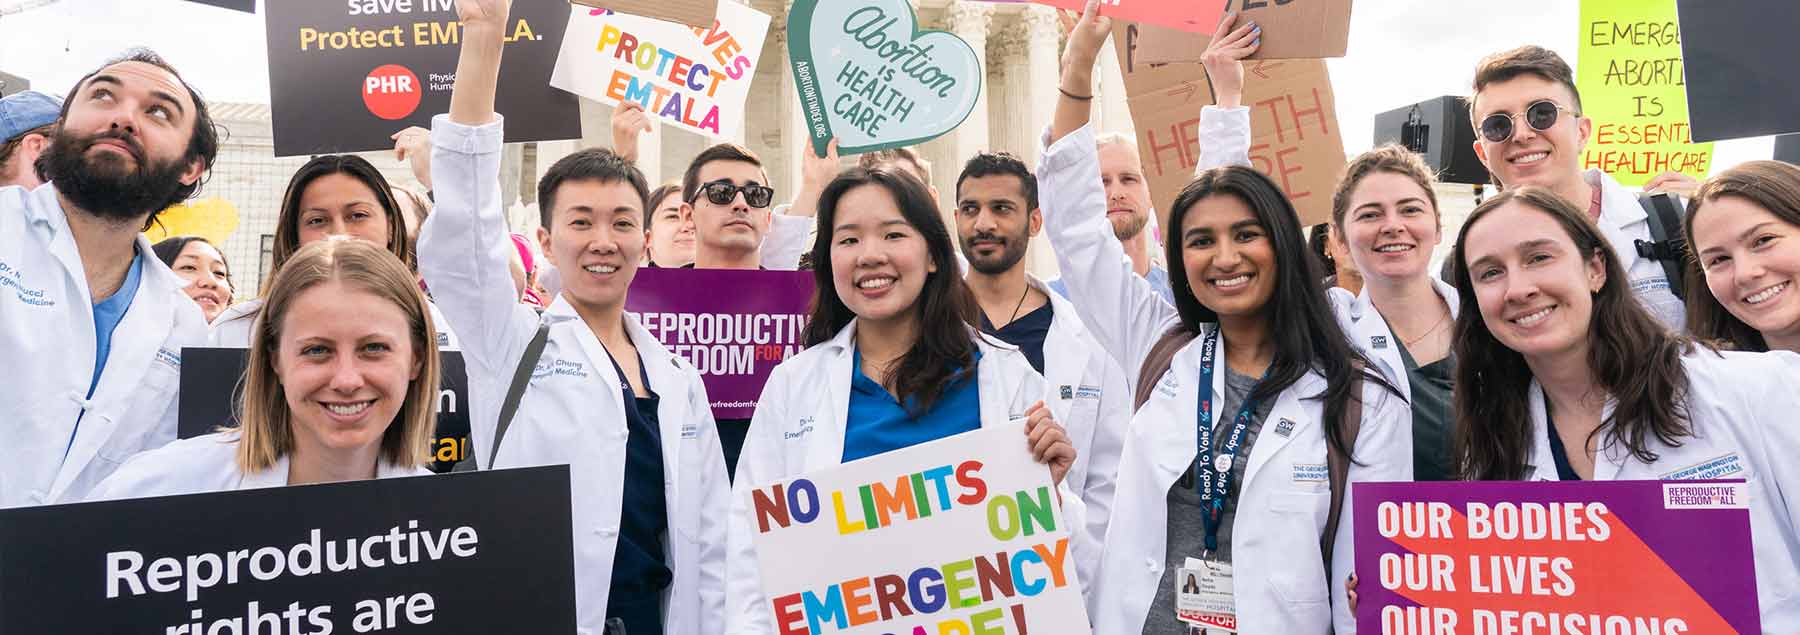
(1338, 464)
(515, 391)
(1162, 353)
(1667, 245)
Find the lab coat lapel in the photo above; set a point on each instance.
(827, 446)
(1287, 406)
(673, 416)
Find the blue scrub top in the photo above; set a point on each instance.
(640, 572)
(107, 315)
(877, 423)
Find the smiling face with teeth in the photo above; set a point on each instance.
(1391, 227)
(1228, 256)
(1534, 286)
(596, 240)
(345, 360)
(1751, 259)
(879, 261)
(1545, 158)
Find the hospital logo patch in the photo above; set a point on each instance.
(1378, 341)
(1068, 393)
(1285, 427)
(1713, 468)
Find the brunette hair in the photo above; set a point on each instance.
(1531, 60)
(1771, 185)
(1304, 329)
(946, 309)
(1630, 354)
(265, 424)
(287, 225)
(1391, 159)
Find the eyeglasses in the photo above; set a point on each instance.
(1540, 115)
(722, 192)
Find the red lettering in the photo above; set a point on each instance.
(969, 477)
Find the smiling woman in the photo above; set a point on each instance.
(204, 267)
(1744, 228)
(342, 385)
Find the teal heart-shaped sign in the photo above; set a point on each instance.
(870, 77)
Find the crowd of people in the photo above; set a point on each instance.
(1554, 349)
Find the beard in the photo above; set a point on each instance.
(103, 185)
(1129, 226)
(1011, 252)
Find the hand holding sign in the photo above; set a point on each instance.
(869, 77)
(473, 12)
(628, 121)
(1049, 442)
(1224, 59)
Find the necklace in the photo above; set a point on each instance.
(1434, 328)
(1020, 305)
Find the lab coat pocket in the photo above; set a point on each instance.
(1301, 580)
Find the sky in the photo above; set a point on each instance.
(1401, 51)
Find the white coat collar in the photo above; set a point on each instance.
(1065, 351)
(1607, 462)
(277, 475)
(1365, 306)
(1619, 208)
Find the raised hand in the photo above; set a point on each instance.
(413, 145)
(1086, 37)
(483, 11)
(1224, 56)
(1675, 183)
(628, 121)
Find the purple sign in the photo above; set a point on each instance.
(734, 326)
(1500, 558)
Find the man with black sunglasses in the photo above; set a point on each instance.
(725, 194)
(1529, 131)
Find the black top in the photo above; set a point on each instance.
(1027, 333)
(1432, 420)
(640, 572)
(1564, 471)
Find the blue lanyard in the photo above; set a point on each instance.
(1214, 479)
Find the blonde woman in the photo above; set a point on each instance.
(341, 385)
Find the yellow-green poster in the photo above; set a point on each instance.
(1630, 75)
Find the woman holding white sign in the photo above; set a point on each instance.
(1565, 376)
(589, 386)
(893, 360)
(342, 385)
(1237, 472)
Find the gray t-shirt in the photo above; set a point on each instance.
(1186, 534)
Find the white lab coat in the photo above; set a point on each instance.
(799, 427)
(232, 328)
(1624, 222)
(1282, 585)
(1367, 329)
(573, 411)
(47, 337)
(1742, 406)
(206, 463)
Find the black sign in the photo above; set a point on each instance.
(247, 6)
(482, 552)
(1739, 57)
(345, 75)
(212, 379)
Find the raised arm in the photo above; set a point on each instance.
(1225, 125)
(1122, 310)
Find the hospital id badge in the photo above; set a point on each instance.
(1203, 596)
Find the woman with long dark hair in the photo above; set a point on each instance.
(893, 359)
(1254, 411)
(196, 260)
(1743, 228)
(334, 194)
(1563, 375)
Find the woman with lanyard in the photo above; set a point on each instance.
(1743, 228)
(1248, 386)
(342, 385)
(1564, 375)
(893, 359)
(332, 195)
(588, 385)
(1385, 213)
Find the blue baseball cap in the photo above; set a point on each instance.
(25, 111)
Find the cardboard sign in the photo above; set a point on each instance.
(344, 76)
(959, 535)
(870, 77)
(696, 79)
(486, 552)
(1293, 118)
(211, 381)
(1308, 29)
(694, 13)
(1632, 86)
(734, 337)
(1744, 87)
(1591, 557)
(1195, 16)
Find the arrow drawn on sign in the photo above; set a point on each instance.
(1259, 69)
(1186, 90)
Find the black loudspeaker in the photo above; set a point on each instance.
(1439, 130)
(1787, 148)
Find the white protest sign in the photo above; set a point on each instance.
(693, 78)
(960, 535)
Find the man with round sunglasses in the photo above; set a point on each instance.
(1529, 131)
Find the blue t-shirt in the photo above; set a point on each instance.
(107, 315)
(1158, 278)
(878, 424)
(1027, 332)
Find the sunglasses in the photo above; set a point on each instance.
(1540, 115)
(722, 192)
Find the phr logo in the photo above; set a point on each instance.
(391, 91)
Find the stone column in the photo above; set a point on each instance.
(968, 20)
